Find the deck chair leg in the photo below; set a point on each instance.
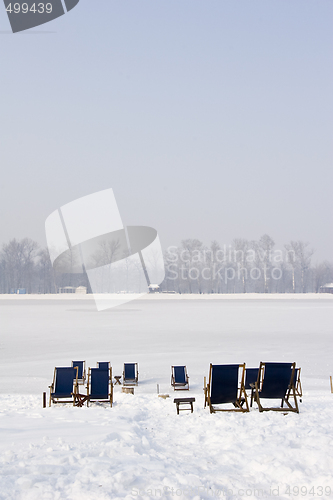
(241, 400)
(295, 401)
(295, 408)
(257, 398)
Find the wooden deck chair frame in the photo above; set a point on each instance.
(56, 400)
(289, 393)
(178, 386)
(240, 403)
(110, 388)
(205, 392)
(131, 381)
(298, 385)
(81, 381)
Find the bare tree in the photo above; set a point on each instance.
(241, 247)
(299, 258)
(191, 256)
(45, 272)
(266, 245)
(304, 255)
(18, 263)
(291, 249)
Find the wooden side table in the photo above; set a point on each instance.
(117, 377)
(184, 401)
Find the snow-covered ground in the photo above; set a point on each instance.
(141, 448)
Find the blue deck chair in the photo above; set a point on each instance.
(276, 381)
(251, 376)
(99, 386)
(130, 374)
(64, 386)
(103, 365)
(226, 385)
(81, 366)
(179, 378)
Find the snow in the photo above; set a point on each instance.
(140, 448)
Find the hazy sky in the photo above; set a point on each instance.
(209, 119)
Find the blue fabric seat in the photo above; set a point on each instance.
(64, 385)
(276, 381)
(130, 374)
(251, 376)
(226, 386)
(103, 365)
(99, 386)
(179, 378)
(81, 366)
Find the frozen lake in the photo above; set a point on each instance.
(140, 448)
(38, 334)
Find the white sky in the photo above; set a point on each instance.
(209, 119)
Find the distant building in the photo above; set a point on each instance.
(328, 288)
(73, 289)
(67, 289)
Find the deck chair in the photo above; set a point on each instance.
(251, 376)
(81, 366)
(99, 386)
(103, 365)
(130, 374)
(226, 385)
(276, 381)
(179, 378)
(64, 386)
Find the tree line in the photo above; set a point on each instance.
(25, 265)
(244, 266)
